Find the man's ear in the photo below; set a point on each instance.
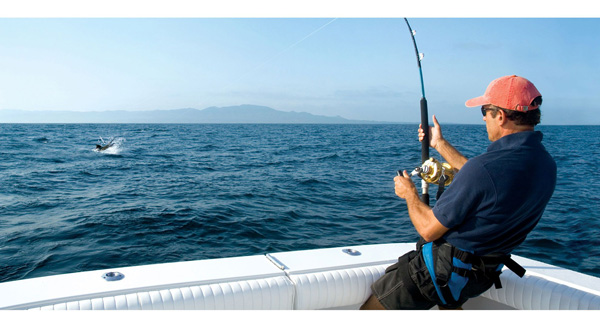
(501, 118)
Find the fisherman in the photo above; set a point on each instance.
(495, 200)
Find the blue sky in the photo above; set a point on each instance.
(358, 68)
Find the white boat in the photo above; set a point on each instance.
(332, 278)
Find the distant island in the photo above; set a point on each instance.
(231, 114)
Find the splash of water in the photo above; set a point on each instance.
(116, 148)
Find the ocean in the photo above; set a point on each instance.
(179, 192)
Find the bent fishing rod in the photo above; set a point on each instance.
(424, 118)
(431, 170)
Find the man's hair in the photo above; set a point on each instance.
(530, 117)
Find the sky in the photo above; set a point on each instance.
(356, 67)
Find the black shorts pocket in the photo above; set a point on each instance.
(422, 279)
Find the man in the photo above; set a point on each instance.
(494, 201)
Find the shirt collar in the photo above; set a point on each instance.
(516, 140)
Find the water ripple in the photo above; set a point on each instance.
(189, 192)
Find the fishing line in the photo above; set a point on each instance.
(259, 66)
(287, 49)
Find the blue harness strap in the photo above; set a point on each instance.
(458, 277)
(428, 257)
(458, 281)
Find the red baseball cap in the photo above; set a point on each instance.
(509, 92)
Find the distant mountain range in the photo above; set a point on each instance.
(232, 114)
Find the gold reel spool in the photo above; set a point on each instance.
(432, 170)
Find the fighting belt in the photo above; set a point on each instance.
(449, 276)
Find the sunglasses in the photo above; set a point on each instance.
(484, 111)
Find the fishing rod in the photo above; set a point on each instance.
(424, 118)
(431, 171)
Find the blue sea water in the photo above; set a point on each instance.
(169, 193)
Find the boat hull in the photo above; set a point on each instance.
(331, 278)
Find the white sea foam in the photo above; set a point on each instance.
(116, 148)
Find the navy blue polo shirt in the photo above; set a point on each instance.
(497, 198)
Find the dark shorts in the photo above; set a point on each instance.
(407, 285)
(396, 290)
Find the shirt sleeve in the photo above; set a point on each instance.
(470, 191)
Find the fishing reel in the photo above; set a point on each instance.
(434, 172)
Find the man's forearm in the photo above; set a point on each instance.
(450, 154)
(423, 219)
